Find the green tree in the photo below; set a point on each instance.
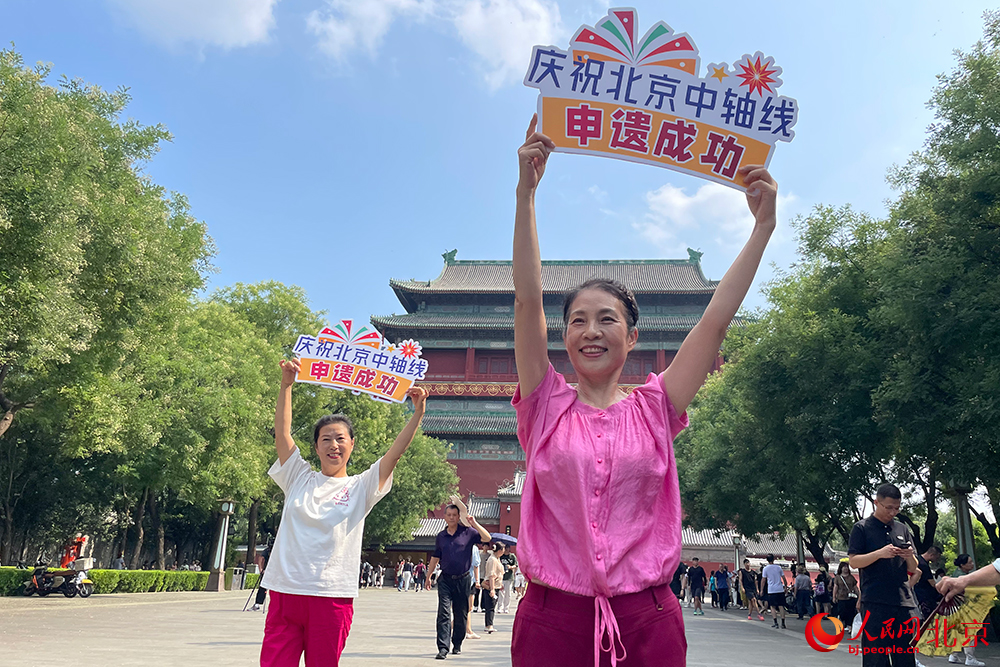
(940, 303)
(89, 247)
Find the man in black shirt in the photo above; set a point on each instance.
(882, 549)
(453, 548)
(696, 581)
(923, 583)
(749, 584)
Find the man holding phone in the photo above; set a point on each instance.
(882, 549)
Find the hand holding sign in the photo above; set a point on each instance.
(533, 155)
(289, 371)
(762, 193)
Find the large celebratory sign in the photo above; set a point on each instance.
(641, 99)
(360, 360)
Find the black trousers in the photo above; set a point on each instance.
(489, 606)
(475, 597)
(845, 611)
(453, 599)
(261, 594)
(724, 598)
(895, 649)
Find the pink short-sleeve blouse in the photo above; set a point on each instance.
(601, 509)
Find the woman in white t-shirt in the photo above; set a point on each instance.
(312, 573)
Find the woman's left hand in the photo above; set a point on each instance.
(419, 397)
(762, 193)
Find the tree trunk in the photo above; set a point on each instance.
(991, 530)
(8, 534)
(252, 533)
(140, 514)
(154, 515)
(813, 544)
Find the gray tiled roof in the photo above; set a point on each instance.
(430, 527)
(756, 545)
(650, 275)
(424, 320)
(470, 423)
(484, 508)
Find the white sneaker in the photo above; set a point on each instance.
(256, 607)
(971, 661)
(919, 664)
(955, 658)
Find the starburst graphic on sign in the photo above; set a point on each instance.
(409, 349)
(757, 75)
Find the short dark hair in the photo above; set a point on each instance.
(326, 420)
(452, 507)
(936, 547)
(770, 558)
(843, 564)
(695, 558)
(890, 491)
(612, 287)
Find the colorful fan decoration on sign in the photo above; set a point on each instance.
(643, 99)
(360, 360)
(613, 39)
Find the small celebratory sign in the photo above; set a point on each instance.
(642, 99)
(343, 357)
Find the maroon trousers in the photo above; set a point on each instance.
(557, 628)
(296, 623)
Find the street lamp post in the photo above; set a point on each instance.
(217, 576)
(737, 541)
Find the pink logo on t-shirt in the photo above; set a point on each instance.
(342, 497)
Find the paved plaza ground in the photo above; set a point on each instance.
(390, 628)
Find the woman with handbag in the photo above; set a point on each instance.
(845, 594)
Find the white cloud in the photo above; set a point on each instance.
(500, 32)
(225, 23)
(713, 211)
(345, 26)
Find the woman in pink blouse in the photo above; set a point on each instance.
(600, 531)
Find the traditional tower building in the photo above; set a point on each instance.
(464, 320)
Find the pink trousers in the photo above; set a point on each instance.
(557, 628)
(297, 623)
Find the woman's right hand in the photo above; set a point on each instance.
(289, 371)
(532, 156)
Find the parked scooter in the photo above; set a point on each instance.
(66, 581)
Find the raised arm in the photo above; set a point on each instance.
(389, 460)
(687, 372)
(283, 442)
(484, 534)
(531, 338)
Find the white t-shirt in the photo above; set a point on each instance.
(772, 573)
(318, 548)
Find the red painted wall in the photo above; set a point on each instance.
(445, 364)
(511, 518)
(483, 477)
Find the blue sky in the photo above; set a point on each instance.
(334, 144)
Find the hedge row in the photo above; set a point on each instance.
(147, 581)
(11, 579)
(117, 581)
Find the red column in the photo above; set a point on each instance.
(661, 361)
(470, 362)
